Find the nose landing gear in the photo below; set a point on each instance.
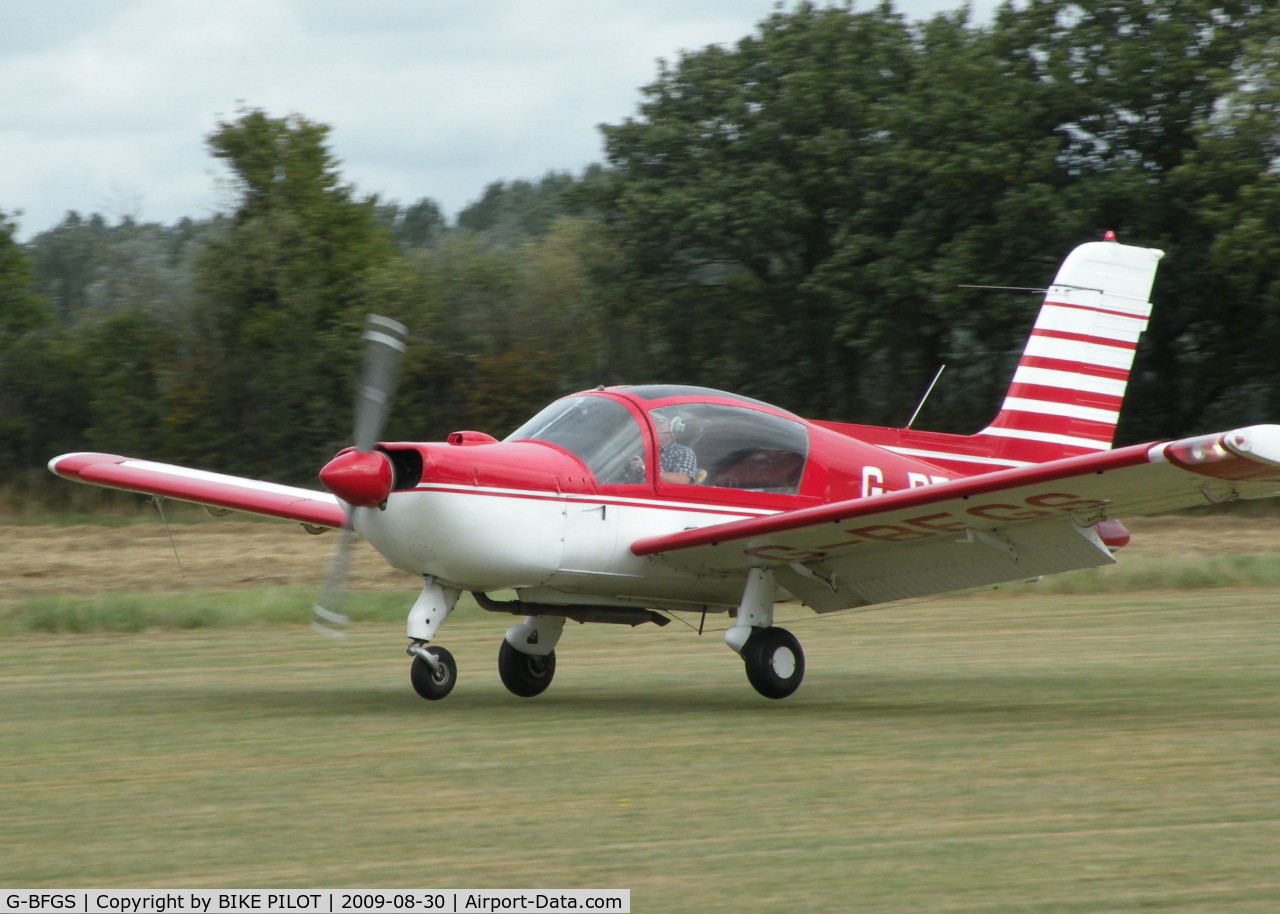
(433, 671)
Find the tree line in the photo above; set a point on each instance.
(796, 216)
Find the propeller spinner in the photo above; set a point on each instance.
(361, 476)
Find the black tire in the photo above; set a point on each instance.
(431, 684)
(524, 674)
(774, 661)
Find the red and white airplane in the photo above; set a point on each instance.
(631, 504)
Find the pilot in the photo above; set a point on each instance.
(676, 462)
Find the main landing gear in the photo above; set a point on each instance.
(774, 662)
(524, 674)
(527, 657)
(772, 656)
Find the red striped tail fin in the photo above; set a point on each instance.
(1066, 393)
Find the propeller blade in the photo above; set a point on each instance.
(383, 349)
(329, 612)
(384, 345)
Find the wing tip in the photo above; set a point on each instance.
(69, 466)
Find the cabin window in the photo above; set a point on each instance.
(737, 448)
(600, 432)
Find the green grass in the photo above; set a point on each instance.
(1158, 572)
(1045, 754)
(111, 611)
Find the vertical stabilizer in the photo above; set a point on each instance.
(1066, 393)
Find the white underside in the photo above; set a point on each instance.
(550, 547)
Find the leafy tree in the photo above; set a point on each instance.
(87, 268)
(40, 403)
(545, 337)
(797, 212)
(280, 294)
(496, 332)
(791, 189)
(415, 226)
(44, 407)
(511, 212)
(21, 311)
(64, 261)
(1130, 86)
(1229, 191)
(127, 360)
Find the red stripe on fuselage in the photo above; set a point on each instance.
(690, 508)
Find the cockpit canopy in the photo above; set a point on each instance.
(600, 432)
(727, 445)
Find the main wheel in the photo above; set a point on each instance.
(524, 674)
(434, 684)
(775, 663)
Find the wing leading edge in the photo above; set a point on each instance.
(202, 487)
(1002, 526)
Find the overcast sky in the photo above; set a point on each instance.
(106, 103)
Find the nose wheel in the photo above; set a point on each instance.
(433, 672)
(774, 661)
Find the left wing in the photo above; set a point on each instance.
(217, 490)
(1002, 526)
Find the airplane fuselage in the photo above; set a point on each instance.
(531, 515)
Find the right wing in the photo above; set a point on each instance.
(216, 490)
(1002, 526)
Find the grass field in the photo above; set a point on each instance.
(1050, 753)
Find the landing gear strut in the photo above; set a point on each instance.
(433, 671)
(772, 656)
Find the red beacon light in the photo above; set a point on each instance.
(1108, 236)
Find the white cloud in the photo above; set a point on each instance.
(433, 99)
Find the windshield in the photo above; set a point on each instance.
(600, 432)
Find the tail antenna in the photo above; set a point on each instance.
(932, 384)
